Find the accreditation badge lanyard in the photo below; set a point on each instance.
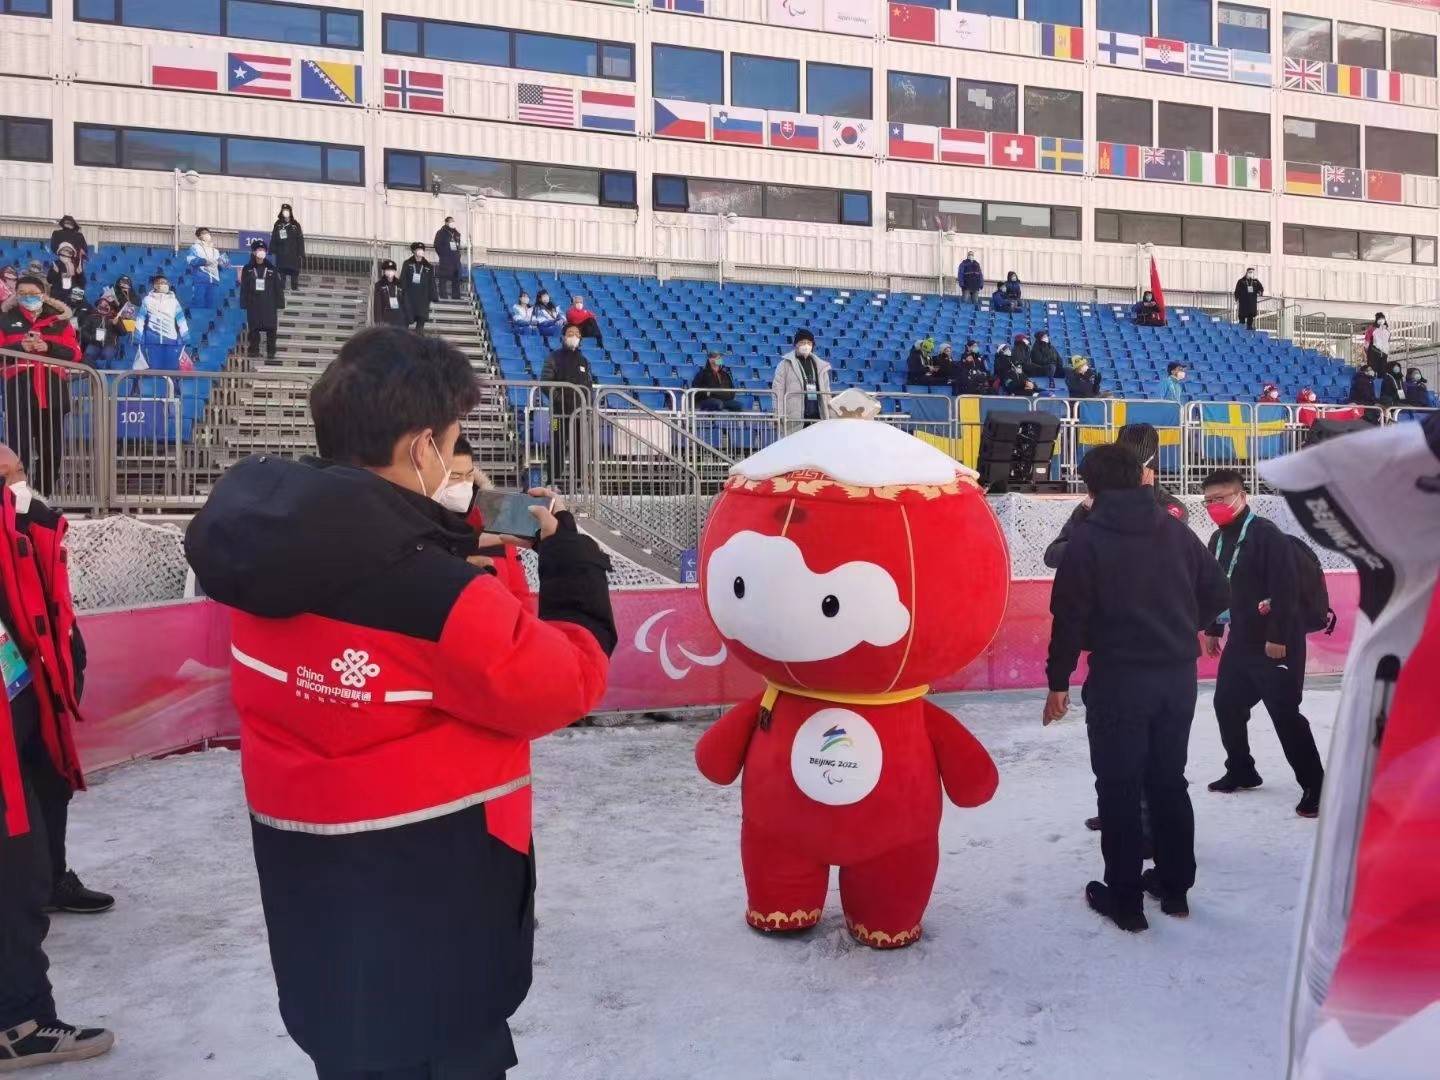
(1224, 616)
(13, 668)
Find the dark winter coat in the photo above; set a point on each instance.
(1083, 386)
(1148, 313)
(422, 293)
(1021, 350)
(1418, 394)
(716, 385)
(1264, 570)
(567, 366)
(448, 255)
(1392, 389)
(971, 277)
(261, 295)
(1044, 359)
(74, 237)
(87, 320)
(999, 301)
(1362, 389)
(972, 378)
(1012, 289)
(1247, 297)
(287, 244)
(917, 365)
(396, 313)
(1056, 551)
(1134, 588)
(60, 285)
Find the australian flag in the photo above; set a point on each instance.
(1344, 183)
(1163, 164)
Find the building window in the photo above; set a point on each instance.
(1400, 151)
(777, 202)
(1124, 16)
(617, 189)
(1386, 247)
(1322, 142)
(219, 155)
(1061, 12)
(1185, 20)
(854, 208)
(1124, 120)
(1185, 127)
(263, 20)
(919, 99)
(1216, 234)
(1323, 243)
(1172, 230)
(497, 47)
(1243, 27)
(1245, 134)
(987, 106)
(671, 193)
(688, 74)
(1305, 37)
(1360, 45)
(1059, 113)
(765, 82)
(1257, 237)
(786, 203)
(1412, 53)
(39, 8)
(1006, 9)
(24, 139)
(838, 90)
(724, 197)
(1425, 250)
(413, 170)
(932, 214)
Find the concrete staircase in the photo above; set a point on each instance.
(492, 432)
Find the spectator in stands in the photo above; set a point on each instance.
(945, 360)
(971, 377)
(1148, 312)
(715, 384)
(162, 327)
(390, 306)
(8, 277)
(567, 364)
(579, 316)
(1269, 394)
(970, 278)
(922, 367)
(1377, 342)
(65, 272)
(90, 330)
(1417, 390)
(1012, 289)
(1392, 385)
(1015, 383)
(262, 295)
(1175, 383)
(68, 232)
(522, 312)
(1001, 363)
(1306, 396)
(123, 308)
(1082, 380)
(447, 253)
(1021, 351)
(1248, 291)
(205, 261)
(1000, 302)
(37, 396)
(417, 278)
(549, 319)
(287, 247)
(493, 553)
(1362, 392)
(1044, 359)
(802, 381)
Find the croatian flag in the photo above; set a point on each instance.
(794, 131)
(916, 142)
(262, 76)
(1164, 54)
(1119, 50)
(682, 119)
(602, 110)
(732, 124)
(962, 146)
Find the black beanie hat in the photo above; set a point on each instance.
(802, 335)
(1143, 439)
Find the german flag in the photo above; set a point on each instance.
(1302, 179)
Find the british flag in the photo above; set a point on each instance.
(1306, 75)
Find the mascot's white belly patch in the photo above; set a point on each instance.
(836, 757)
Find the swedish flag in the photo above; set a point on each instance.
(1062, 155)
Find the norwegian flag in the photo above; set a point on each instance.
(414, 91)
(1306, 75)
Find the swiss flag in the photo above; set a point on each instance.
(1011, 151)
(912, 22)
(1382, 186)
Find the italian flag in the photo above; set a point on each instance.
(1200, 167)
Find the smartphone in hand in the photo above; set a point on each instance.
(508, 513)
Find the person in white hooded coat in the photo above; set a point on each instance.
(205, 261)
(802, 382)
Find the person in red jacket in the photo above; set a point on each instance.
(493, 552)
(388, 691)
(37, 396)
(579, 315)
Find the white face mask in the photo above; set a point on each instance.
(1180, 375)
(457, 497)
(803, 349)
(424, 487)
(285, 214)
(22, 493)
(389, 275)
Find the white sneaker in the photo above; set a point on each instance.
(35, 1043)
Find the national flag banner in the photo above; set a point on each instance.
(914, 142)
(1208, 61)
(607, 110)
(801, 14)
(1011, 151)
(1303, 179)
(794, 131)
(1165, 54)
(1062, 42)
(1158, 163)
(684, 7)
(260, 75)
(1120, 50)
(186, 69)
(1304, 75)
(1391, 86)
(414, 91)
(963, 30)
(553, 106)
(912, 22)
(849, 135)
(1252, 68)
(676, 119)
(1382, 186)
(1342, 182)
(1118, 159)
(1199, 167)
(857, 17)
(733, 124)
(1251, 173)
(963, 146)
(1062, 155)
(1345, 80)
(330, 81)
(1156, 289)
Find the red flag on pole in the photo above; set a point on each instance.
(1155, 287)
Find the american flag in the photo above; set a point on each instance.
(1306, 75)
(553, 105)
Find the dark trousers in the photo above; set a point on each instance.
(591, 329)
(427, 1070)
(289, 277)
(1138, 721)
(1051, 370)
(1249, 321)
(448, 282)
(254, 342)
(715, 404)
(1245, 680)
(25, 884)
(567, 445)
(420, 325)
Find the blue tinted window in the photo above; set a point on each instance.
(25, 7)
(1009, 9)
(96, 146)
(1243, 27)
(167, 150)
(401, 36)
(343, 30)
(92, 10)
(689, 74)
(1063, 12)
(344, 166)
(274, 22)
(404, 170)
(1124, 16)
(1185, 20)
(617, 189)
(671, 193)
(855, 208)
(275, 160)
(24, 140)
(919, 99)
(617, 61)
(199, 16)
(943, 5)
(765, 82)
(479, 175)
(837, 90)
(567, 56)
(473, 44)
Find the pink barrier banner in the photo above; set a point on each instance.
(159, 677)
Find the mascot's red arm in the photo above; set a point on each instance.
(720, 753)
(966, 769)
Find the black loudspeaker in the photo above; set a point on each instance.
(1015, 450)
(1323, 429)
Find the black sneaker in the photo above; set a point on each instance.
(1093, 823)
(1309, 804)
(70, 895)
(1170, 904)
(1232, 782)
(49, 1042)
(1097, 895)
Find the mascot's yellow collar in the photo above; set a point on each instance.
(894, 697)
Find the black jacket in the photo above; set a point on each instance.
(1022, 352)
(1083, 386)
(972, 377)
(448, 257)
(1013, 379)
(918, 366)
(567, 366)
(1417, 393)
(1362, 389)
(87, 321)
(418, 294)
(1056, 551)
(1264, 569)
(1135, 587)
(1392, 389)
(396, 313)
(73, 237)
(287, 244)
(262, 304)
(1247, 297)
(715, 385)
(59, 288)
(1043, 358)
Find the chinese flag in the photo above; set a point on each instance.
(912, 22)
(1155, 287)
(1382, 186)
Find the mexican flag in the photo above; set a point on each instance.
(1242, 172)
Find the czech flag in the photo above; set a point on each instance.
(682, 119)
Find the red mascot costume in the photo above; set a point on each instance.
(849, 564)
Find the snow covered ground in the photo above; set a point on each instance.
(646, 971)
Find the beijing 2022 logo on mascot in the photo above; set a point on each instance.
(849, 564)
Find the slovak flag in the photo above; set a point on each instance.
(794, 131)
(1011, 151)
(682, 119)
(913, 141)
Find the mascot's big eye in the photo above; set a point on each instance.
(739, 588)
(830, 606)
